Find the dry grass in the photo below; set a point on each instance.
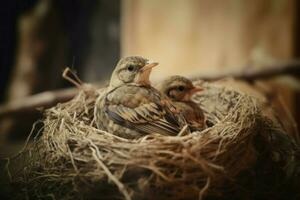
(71, 159)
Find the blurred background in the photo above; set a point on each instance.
(204, 38)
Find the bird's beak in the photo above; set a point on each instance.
(196, 89)
(144, 73)
(189, 94)
(149, 66)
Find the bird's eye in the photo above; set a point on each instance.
(130, 68)
(181, 88)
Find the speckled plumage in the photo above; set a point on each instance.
(181, 100)
(132, 110)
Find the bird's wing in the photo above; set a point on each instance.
(147, 118)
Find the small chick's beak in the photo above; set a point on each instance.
(144, 73)
(190, 93)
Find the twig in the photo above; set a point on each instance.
(27, 139)
(73, 78)
(120, 185)
(72, 159)
(204, 189)
(182, 130)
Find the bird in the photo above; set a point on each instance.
(180, 90)
(131, 108)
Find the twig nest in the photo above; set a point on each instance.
(73, 159)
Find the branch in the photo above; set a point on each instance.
(49, 99)
(41, 100)
(263, 72)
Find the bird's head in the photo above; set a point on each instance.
(178, 88)
(133, 69)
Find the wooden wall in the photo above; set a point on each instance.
(194, 37)
(202, 36)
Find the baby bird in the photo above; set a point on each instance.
(131, 108)
(180, 90)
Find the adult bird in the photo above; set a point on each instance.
(130, 107)
(180, 90)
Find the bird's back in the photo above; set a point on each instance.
(132, 111)
(131, 95)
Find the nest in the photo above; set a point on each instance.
(71, 159)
